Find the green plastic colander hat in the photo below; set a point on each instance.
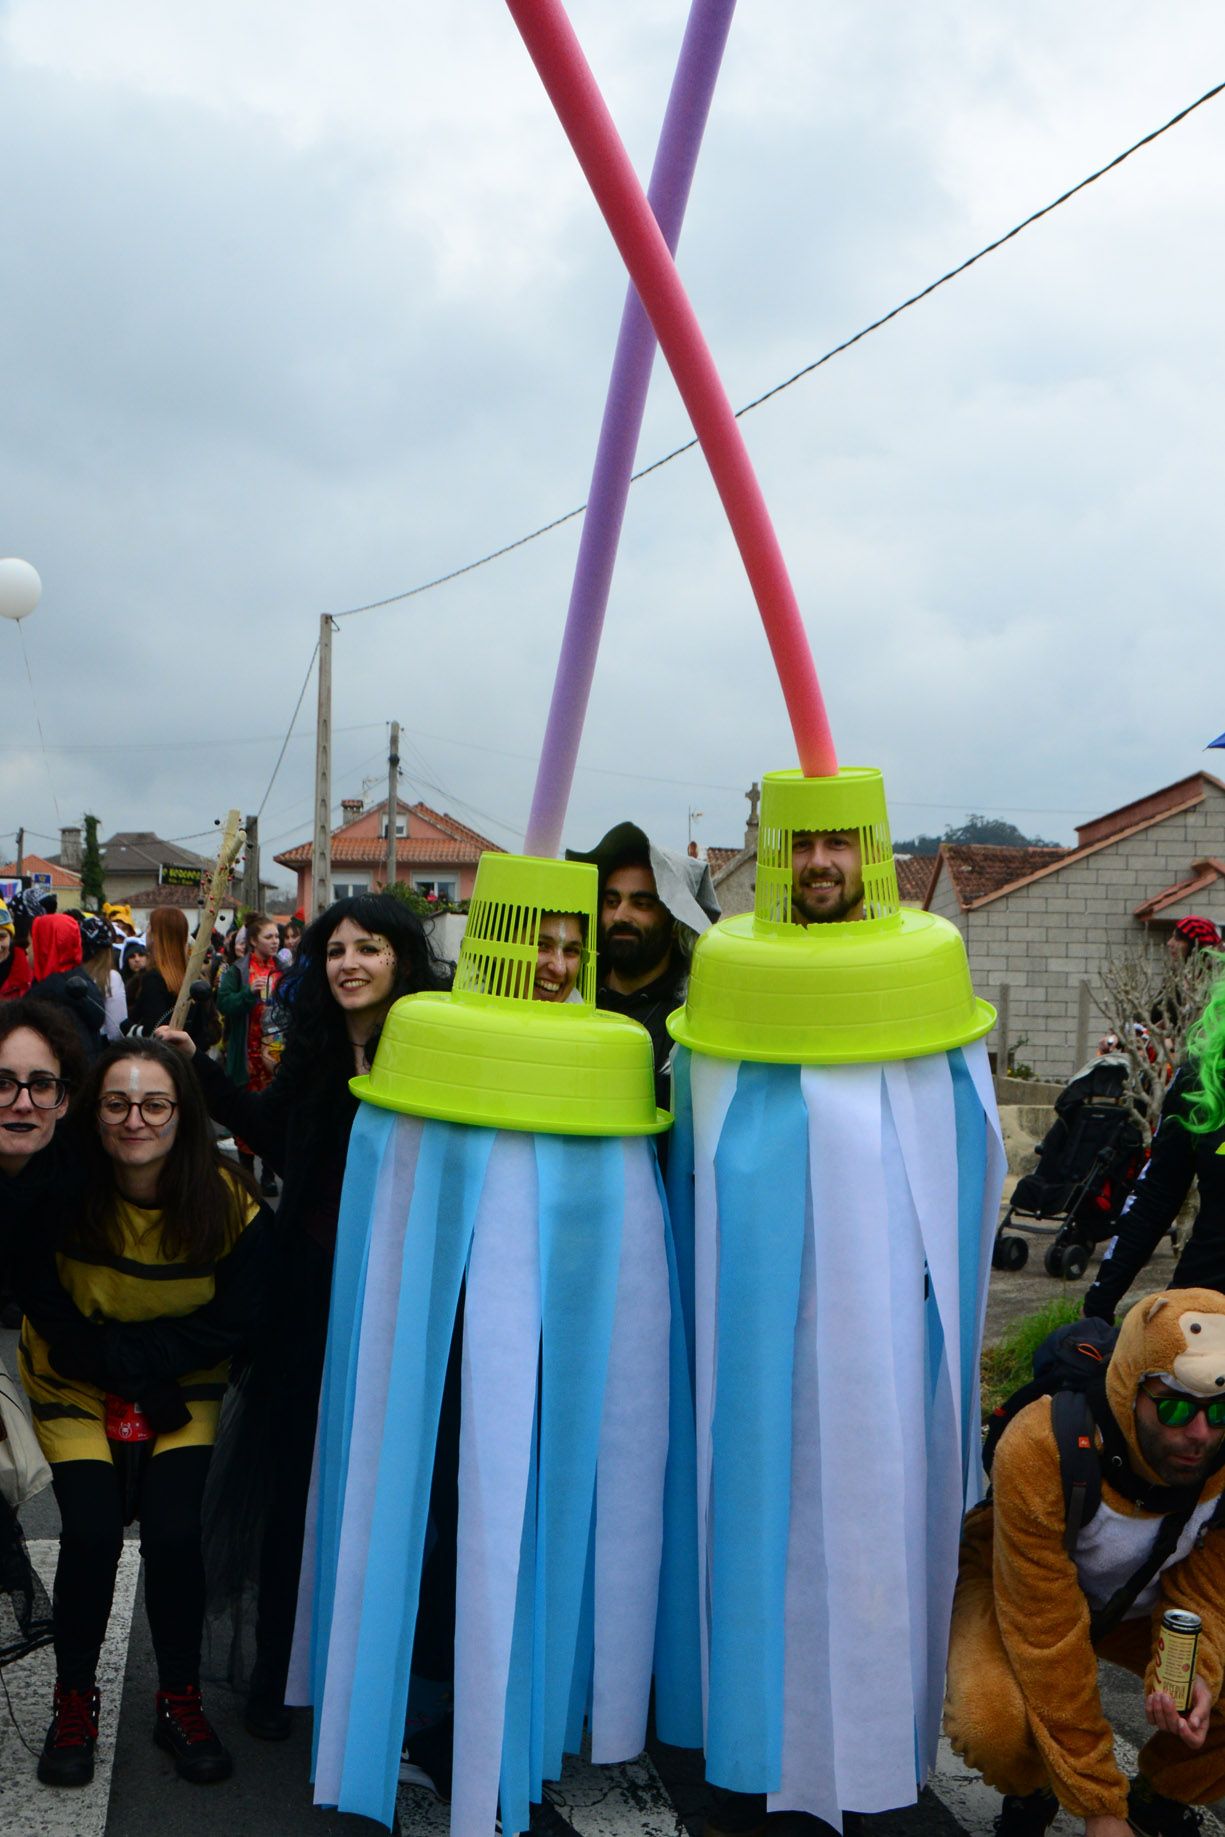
(488, 1053)
(892, 985)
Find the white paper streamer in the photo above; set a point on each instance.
(878, 1434)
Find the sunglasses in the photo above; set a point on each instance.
(1177, 1412)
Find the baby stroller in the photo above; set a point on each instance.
(1088, 1162)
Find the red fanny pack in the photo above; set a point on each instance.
(126, 1422)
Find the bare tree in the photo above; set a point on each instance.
(1150, 1003)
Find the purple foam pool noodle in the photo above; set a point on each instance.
(679, 142)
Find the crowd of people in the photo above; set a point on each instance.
(150, 1270)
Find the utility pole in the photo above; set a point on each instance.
(250, 872)
(21, 851)
(393, 798)
(321, 841)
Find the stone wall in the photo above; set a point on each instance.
(1046, 938)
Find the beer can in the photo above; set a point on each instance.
(1177, 1644)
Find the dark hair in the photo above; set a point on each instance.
(318, 1055)
(53, 1023)
(202, 1196)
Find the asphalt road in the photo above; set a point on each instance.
(137, 1794)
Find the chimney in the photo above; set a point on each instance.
(349, 808)
(70, 849)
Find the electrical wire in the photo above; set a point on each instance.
(289, 732)
(507, 548)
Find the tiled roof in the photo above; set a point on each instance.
(1179, 796)
(372, 851)
(186, 897)
(1203, 875)
(38, 864)
(914, 877)
(978, 870)
(130, 850)
(719, 858)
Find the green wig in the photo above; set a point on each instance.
(1206, 1052)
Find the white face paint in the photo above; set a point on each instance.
(135, 1142)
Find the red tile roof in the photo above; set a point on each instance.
(914, 877)
(1142, 810)
(979, 870)
(456, 843)
(718, 858)
(1203, 875)
(186, 897)
(36, 864)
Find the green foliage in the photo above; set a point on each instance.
(990, 830)
(1206, 1051)
(421, 903)
(1008, 1365)
(92, 887)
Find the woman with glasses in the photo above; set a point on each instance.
(40, 1062)
(156, 1259)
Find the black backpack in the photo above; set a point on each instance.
(1070, 1368)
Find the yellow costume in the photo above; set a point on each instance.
(132, 1282)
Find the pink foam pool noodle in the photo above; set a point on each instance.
(572, 89)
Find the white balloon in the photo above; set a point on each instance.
(20, 588)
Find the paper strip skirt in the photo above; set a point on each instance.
(836, 1238)
(574, 1384)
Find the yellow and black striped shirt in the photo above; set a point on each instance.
(132, 1282)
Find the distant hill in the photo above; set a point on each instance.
(989, 829)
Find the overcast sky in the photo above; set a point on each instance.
(305, 305)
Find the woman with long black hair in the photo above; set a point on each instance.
(356, 960)
(149, 1242)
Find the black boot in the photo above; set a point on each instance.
(186, 1733)
(67, 1758)
(1027, 1816)
(265, 1715)
(1156, 1816)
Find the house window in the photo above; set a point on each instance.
(401, 827)
(348, 889)
(441, 889)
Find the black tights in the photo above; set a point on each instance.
(90, 1497)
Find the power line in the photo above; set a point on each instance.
(507, 548)
(289, 731)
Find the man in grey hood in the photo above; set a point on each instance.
(654, 902)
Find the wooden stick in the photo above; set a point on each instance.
(232, 837)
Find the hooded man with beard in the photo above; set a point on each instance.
(653, 904)
(1022, 1704)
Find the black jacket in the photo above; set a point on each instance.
(1178, 1158)
(650, 1007)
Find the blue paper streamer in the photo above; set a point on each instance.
(370, 1140)
(761, 1167)
(451, 1167)
(971, 1183)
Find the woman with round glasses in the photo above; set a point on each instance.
(40, 1062)
(1188, 1148)
(157, 1260)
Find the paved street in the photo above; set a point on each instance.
(137, 1794)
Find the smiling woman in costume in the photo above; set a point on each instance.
(355, 961)
(153, 1262)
